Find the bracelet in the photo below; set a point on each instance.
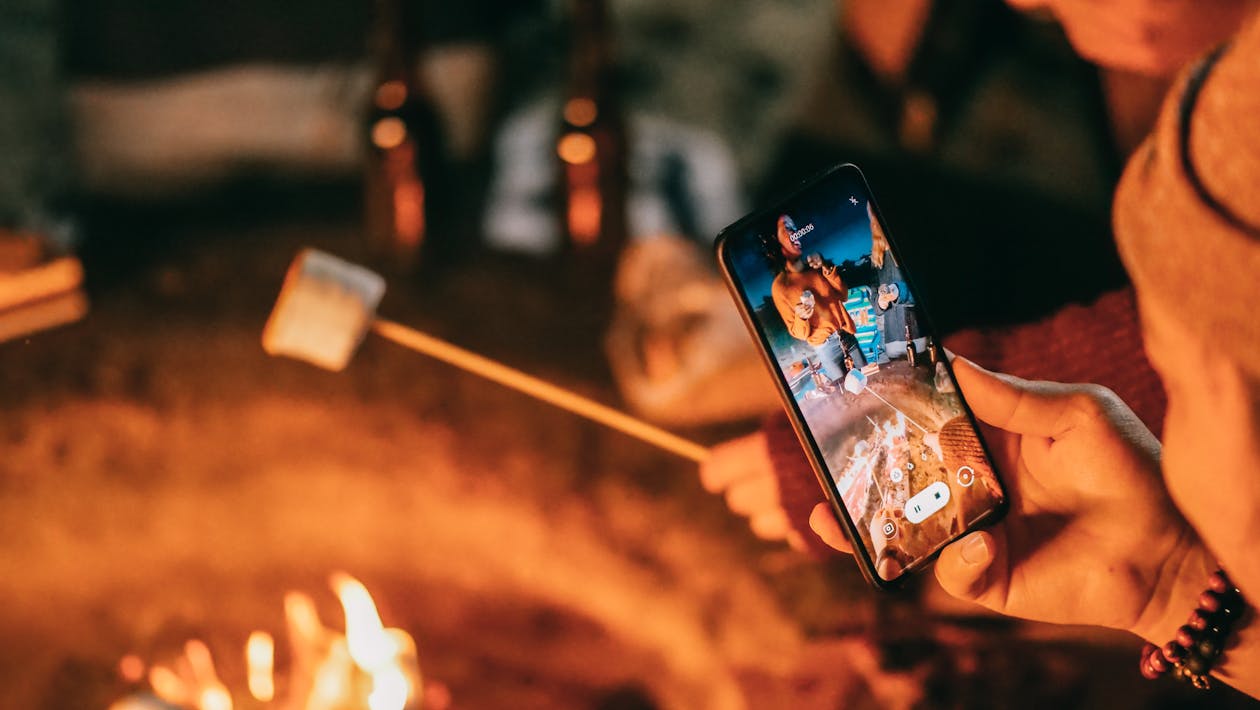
(1199, 643)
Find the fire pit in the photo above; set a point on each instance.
(172, 483)
(505, 589)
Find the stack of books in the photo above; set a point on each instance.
(38, 289)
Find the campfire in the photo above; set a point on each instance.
(368, 667)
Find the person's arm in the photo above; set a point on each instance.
(797, 327)
(846, 320)
(1182, 578)
(832, 275)
(766, 478)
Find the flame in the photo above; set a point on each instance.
(369, 667)
(211, 694)
(131, 668)
(193, 683)
(857, 478)
(260, 654)
(299, 611)
(377, 651)
(214, 699)
(365, 634)
(167, 685)
(390, 690)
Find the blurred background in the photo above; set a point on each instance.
(540, 181)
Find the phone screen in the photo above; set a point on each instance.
(864, 374)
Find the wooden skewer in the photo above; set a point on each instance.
(479, 365)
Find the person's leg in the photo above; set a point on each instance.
(830, 355)
(853, 350)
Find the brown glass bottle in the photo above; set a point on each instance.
(402, 190)
(591, 145)
(912, 354)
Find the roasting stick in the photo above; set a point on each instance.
(328, 305)
(515, 379)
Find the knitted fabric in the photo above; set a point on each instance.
(1187, 212)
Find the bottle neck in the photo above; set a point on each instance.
(591, 51)
(393, 50)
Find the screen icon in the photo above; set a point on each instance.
(889, 528)
(966, 476)
(927, 501)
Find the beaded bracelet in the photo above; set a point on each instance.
(1201, 640)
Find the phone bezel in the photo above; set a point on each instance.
(800, 426)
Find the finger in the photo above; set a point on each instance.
(771, 525)
(796, 542)
(751, 496)
(1014, 404)
(734, 460)
(962, 568)
(824, 524)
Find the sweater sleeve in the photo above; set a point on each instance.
(798, 328)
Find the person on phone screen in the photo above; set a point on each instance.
(895, 313)
(809, 294)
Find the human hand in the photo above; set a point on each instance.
(888, 295)
(1152, 37)
(1091, 536)
(741, 470)
(804, 311)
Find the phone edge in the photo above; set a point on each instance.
(804, 436)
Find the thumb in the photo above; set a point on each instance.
(962, 567)
(1013, 404)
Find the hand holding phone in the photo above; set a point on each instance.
(1093, 531)
(893, 444)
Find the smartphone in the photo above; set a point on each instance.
(864, 378)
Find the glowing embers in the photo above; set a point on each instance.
(369, 667)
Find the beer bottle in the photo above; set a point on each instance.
(591, 145)
(912, 355)
(934, 354)
(404, 145)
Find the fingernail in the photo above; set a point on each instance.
(975, 550)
